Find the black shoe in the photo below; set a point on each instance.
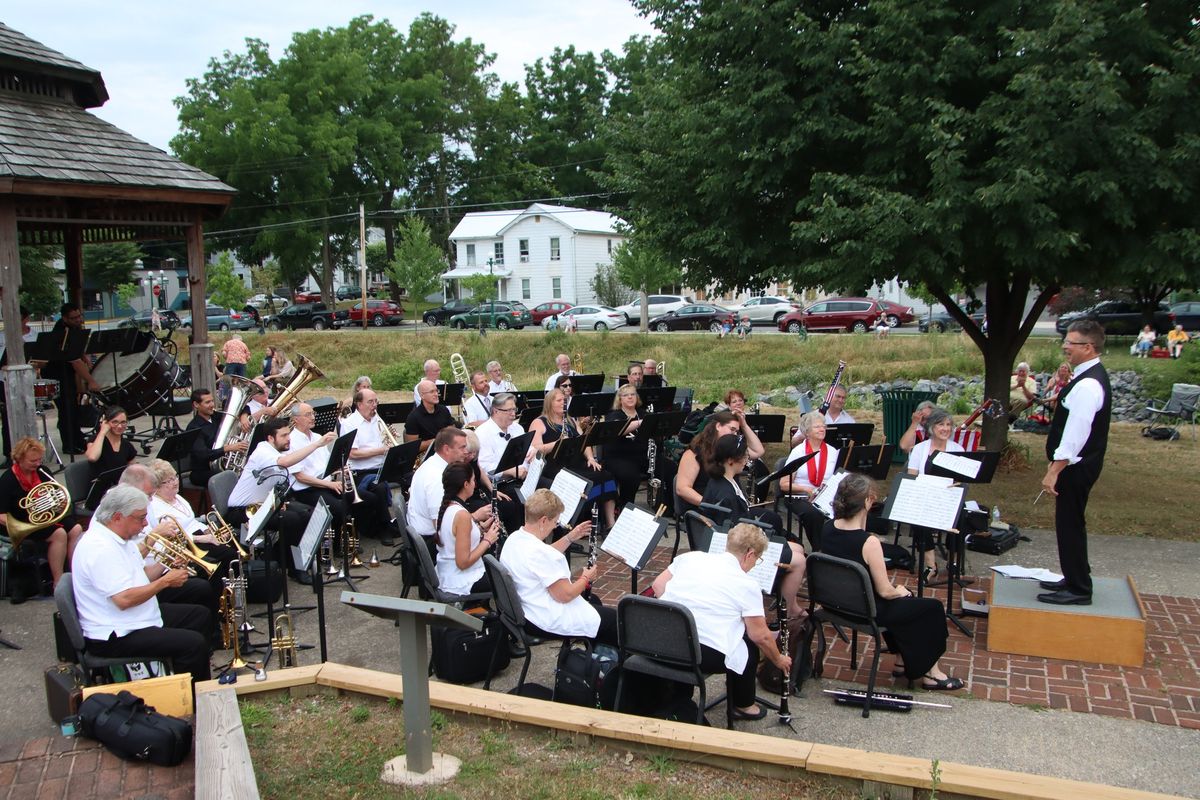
(387, 541)
(1053, 586)
(516, 649)
(1065, 598)
(302, 578)
(737, 713)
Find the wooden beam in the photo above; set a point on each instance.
(193, 197)
(73, 256)
(224, 770)
(18, 376)
(204, 376)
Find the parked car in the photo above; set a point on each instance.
(352, 292)
(1120, 318)
(442, 314)
(897, 315)
(222, 319)
(545, 310)
(306, 297)
(142, 320)
(765, 310)
(693, 317)
(309, 315)
(502, 314)
(856, 314)
(262, 300)
(658, 304)
(592, 318)
(379, 313)
(792, 322)
(1188, 315)
(941, 321)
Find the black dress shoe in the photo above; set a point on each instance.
(303, 578)
(1053, 586)
(386, 540)
(1065, 598)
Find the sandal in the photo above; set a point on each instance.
(944, 685)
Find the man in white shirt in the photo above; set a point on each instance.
(563, 362)
(433, 373)
(496, 381)
(728, 608)
(117, 603)
(495, 434)
(1076, 446)
(257, 407)
(553, 601)
(425, 493)
(373, 516)
(310, 486)
(836, 415)
(477, 407)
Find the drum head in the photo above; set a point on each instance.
(144, 384)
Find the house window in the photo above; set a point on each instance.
(525, 288)
(182, 282)
(556, 283)
(499, 251)
(555, 250)
(610, 247)
(524, 248)
(470, 255)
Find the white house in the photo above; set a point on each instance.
(538, 254)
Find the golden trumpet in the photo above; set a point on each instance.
(172, 548)
(577, 362)
(224, 534)
(284, 640)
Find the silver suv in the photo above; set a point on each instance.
(659, 304)
(765, 310)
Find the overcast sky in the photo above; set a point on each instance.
(147, 50)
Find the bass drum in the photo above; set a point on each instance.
(137, 382)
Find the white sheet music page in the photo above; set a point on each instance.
(824, 499)
(922, 502)
(763, 572)
(631, 535)
(570, 488)
(529, 486)
(255, 525)
(959, 465)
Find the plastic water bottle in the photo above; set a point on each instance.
(995, 514)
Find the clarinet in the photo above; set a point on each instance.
(592, 535)
(500, 522)
(785, 716)
(655, 482)
(837, 379)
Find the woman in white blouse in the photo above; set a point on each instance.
(939, 428)
(461, 543)
(806, 481)
(166, 502)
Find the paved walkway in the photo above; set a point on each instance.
(54, 768)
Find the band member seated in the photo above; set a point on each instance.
(310, 485)
(565, 385)
(425, 494)
(428, 417)
(727, 605)
(166, 502)
(203, 454)
(258, 407)
(836, 415)
(118, 604)
(808, 479)
(495, 434)
(633, 374)
(477, 406)
(563, 363)
(266, 468)
(650, 367)
(16, 483)
(939, 428)
(108, 453)
(461, 543)
(916, 428)
(554, 424)
(496, 381)
(626, 457)
(433, 374)
(1022, 392)
(915, 626)
(347, 408)
(554, 603)
(374, 514)
(692, 476)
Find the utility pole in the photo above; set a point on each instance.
(362, 260)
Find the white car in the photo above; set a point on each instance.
(659, 304)
(591, 318)
(766, 310)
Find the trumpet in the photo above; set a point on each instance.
(231, 607)
(220, 530)
(284, 640)
(348, 486)
(387, 434)
(170, 549)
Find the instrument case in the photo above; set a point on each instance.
(129, 728)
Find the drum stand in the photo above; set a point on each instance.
(51, 447)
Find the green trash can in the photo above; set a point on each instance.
(898, 408)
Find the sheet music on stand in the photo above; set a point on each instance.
(824, 498)
(259, 521)
(764, 571)
(634, 536)
(314, 532)
(532, 476)
(573, 490)
(966, 467)
(922, 500)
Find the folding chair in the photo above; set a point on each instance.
(512, 617)
(93, 665)
(1180, 408)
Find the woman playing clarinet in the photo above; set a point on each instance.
(554, 424)
(461, 544)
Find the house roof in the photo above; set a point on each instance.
(19, 52)
(493, 224)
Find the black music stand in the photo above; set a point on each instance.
(339, 454)
(514, 452)
(529, 415)
(787, 469)
(652, 381)
(304, 559)
(528, 399)
(178, 447)
(661, 424)
(395, 413)
(450, 394)
(593, 404)
(873, 460)
(769, 427)
(661, 397)
(275, 500)
(858, 432)
(588, 384)
(399, 461)
(636, 546)
(602, 433)
(325, 416)
(413, 618)
(62, 347)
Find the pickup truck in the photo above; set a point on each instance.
(308, 315)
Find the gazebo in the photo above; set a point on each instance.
(68, 178)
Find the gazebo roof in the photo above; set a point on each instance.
(20, 53)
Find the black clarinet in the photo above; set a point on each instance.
(785, 716)
(503, 531)
(592, 534)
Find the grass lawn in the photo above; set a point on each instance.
(322, 746)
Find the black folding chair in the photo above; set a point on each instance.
(93, 665)
(512, 617)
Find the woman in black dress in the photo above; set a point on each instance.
(108, 454)
(554, 424)
(626, 457)
(692, 476)
(18, 481)
(916, 626)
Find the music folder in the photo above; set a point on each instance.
(573, 490)
(566, 449)
(587, 384)
(873, 460)
(394, 413)
(450, 394)
(531, 413)
(339, 452)
(959, 467)
(769, 427)
(515, 452)
(634, 536)
(858, 432)
(784, 471)
(314, 532)
(604, 432)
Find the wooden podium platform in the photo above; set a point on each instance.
(1110, 631)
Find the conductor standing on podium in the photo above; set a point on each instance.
(1076, 446)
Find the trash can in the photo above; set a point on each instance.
(898, 408)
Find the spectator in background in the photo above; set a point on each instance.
(1059, 382)
(1145, 342)
(236, 355)
(1022, 392)
(1176, 339)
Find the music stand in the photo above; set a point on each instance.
(652, 381)
(633, 538)
(858, 432)
(769, 427)
(395, 413)
(874, 460)
(787, 469)
(514, 452)
(339, 454)
(603, 432)
(661, 424)
(587, 384)
(325, 416)
(450, 394)
(399, 461)
(530, 398)
(413, 618)
(529, 415)
(593, 404)
(661, 397)
(178, 447)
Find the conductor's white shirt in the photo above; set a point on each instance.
(1083, 401)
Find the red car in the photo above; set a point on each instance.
(307, 297)
(548, 310)
(897, 314)
(856, 314)
(379, 313)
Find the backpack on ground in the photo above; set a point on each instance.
(131, 729)
(462, 656)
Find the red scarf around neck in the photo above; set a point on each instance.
(816, 466)
(27, 481)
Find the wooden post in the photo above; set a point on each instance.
(73, 257)
(18, 376)
(201, 350)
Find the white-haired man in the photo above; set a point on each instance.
(433, 373)
(496, 381)
(1022, 392)
(563, 363)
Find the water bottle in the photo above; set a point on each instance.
(995, 515)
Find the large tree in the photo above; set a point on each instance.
(1010, 146)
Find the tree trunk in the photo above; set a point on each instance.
(327, 268)
(645, 312)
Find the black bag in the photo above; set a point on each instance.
(461, 656)
(995, 541)
(579, 678)
(898, 557)
(257, 587)
(1160, 432)
(64, 691)
(130, 729)
(694, 423)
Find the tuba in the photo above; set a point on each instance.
(240, 389)
(171, 548)
(305, 374)
(46, 504)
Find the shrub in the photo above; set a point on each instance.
(397, 377)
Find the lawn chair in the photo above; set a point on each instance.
(1179, 409)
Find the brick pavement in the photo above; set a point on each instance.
(58, 767)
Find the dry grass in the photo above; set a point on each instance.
(323, 746)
